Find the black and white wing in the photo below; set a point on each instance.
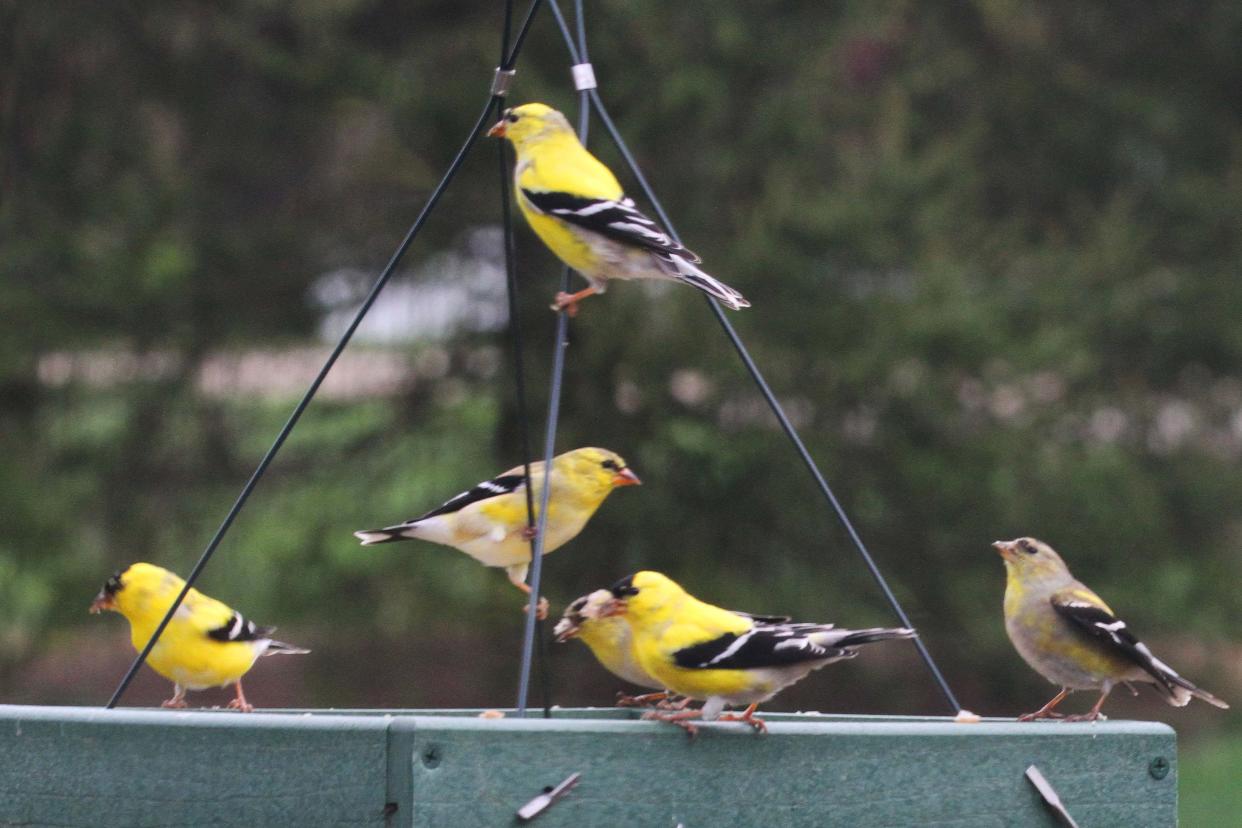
(238, 628)
(497, 486)
(618, 220)
(1091, 616)
(510, 481)
(622, 222)
(1098, 622)
(779, 645)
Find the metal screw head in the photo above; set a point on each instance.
(431, 756)
(1159, 767)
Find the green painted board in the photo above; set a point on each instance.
(86, 766)
(812, 771)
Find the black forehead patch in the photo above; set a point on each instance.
(113, 585)
(578, 605)
(624, 587)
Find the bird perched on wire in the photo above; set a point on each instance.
(1069, 635)
(206, 643)
(724, 658)
(576, 206)
(489, 521)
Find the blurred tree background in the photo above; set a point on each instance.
(994, 257)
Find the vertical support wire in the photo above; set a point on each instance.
(579, 56)
(300, 408)
(519, 360)
(554, 408)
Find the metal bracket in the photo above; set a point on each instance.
(547, 799)
(502, 81)
(1050, 796)
(584, 76)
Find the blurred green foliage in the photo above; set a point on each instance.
(1208, 793)
(993, 252)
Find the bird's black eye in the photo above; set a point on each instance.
(624, 588)
(511, 117)
(577, 606)
(113, 584)
(1028, 547)
(610, 464)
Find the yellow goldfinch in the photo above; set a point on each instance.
(575, 205)
(488, 522)
(721, 657)
(206, 644)
(1069, 635)
(609, 640)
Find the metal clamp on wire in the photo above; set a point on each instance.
(502, 81)
(584, 76)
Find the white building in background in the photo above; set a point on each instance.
(460, 291)
(450, 293)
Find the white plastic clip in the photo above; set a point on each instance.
(584, 76)
(549, 797)
(502, 81)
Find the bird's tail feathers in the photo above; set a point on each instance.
(388, 534)
(1179, 692)
(855, 637)
(1200, 693)
(281, 648)
(685, 271)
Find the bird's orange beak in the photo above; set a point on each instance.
(566, 632)
(625, 477)
(1006, 549)
(103, 601)
(497, 131)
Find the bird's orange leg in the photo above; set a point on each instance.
(541, 609)
(1094, 714)
(676, 704)
(680, 718)
(748, 716)
(642, 700)
(240, 702)
(178, 699)
(1045, 712)
(568, 302)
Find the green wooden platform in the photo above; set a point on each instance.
(69, 766)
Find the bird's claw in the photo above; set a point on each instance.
(541, 608)
(680, 718)
(528, 533)
(658, 699)
(238, 704)
(178, 704)
(1040, 714)
(567, 302)
(651, 700)
(746, 718)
